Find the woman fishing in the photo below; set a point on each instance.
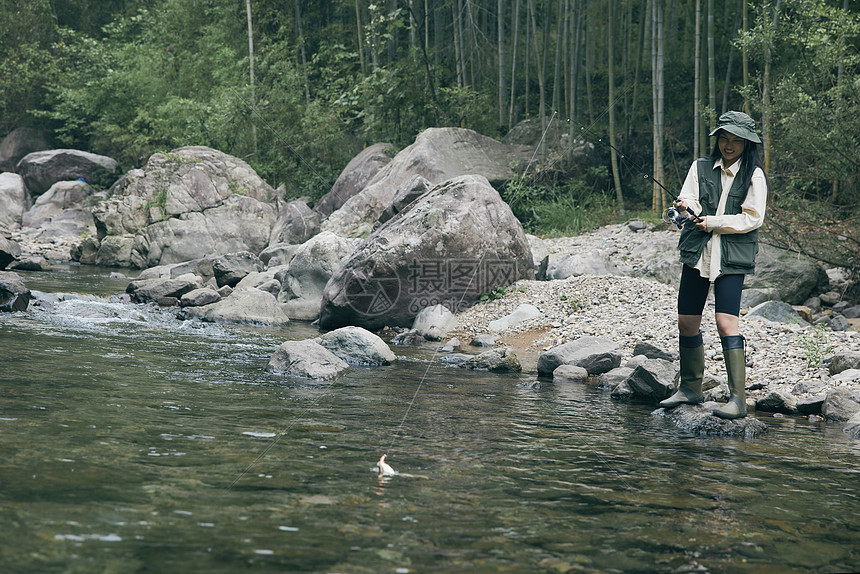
(726, 193)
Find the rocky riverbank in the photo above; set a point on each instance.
(792, 358)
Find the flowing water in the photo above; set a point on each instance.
(133, 442)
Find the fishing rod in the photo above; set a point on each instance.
(672, 214)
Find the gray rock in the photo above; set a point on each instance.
(569, 374)
(455, 358)
(231, 268)
(807, 387)
(295, 224)
(435, 322)
(814, 304)
(791, 277)
(852, 429)
(241, 307)
(437, 252)
(451, 345)
(595, 354)
(355, 176)
(20, 142)
(811, 405)
(414, 188)
(485, 340)
(840, 404)
(851, 312)
(438, 155)
(846, 376)
(28, 264)
(501, 360)
(698, 420)
(408, 337)
(199, 297)
(844, 361)
(540, 256)
(191, 203)
(654, 380)
(151, 290)
(357, 346)
(594, 262)
(830, 298)
(777, 402)
(611, 379)
(775, 311)
(14, 295)
(653, 352)
(312, 265)
(278, 254)
(62, 195)
(14, 199)
(305, 359)
(523, 312)
(839, 323)
(42, 169)
(9, 252)
(754, 297)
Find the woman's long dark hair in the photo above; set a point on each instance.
(750, 159)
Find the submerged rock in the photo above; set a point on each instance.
(698, 420)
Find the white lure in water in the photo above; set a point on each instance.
(384, 468)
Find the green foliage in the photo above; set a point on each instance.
(817, 346)
(496, 293)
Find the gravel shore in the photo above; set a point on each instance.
(629, 310)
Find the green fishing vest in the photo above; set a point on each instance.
(738, 250)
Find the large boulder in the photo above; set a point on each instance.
(596, 355)
(14, 199)
(786, 276)
(62, 195)
(295, 224)
(311, 267)
(191, 203)
(357, 346)
(355, 176)
(18, 143)
(840, 404)
(305, 359)
(42, 169)
(440, 251)
(14, 295)
(438, 154)
(242, 307)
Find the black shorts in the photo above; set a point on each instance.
(693, 293)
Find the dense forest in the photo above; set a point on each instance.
(298, 87)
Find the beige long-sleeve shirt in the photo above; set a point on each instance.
(751, 215)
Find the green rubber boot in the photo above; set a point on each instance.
(736, 367)
(692, 352)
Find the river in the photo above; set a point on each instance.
(134, 442)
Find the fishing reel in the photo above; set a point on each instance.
(673, 215)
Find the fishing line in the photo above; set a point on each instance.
(463, 296)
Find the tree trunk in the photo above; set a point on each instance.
(697, 81)
(657, 101)
(728, 81)
(302, 52)
(610, 40)
(458, 51)
(746, 63)
(712, 80)
(251, 66)
(500, 21)
(575, 41)
(540, 70)
(360, 34)
(514, 63)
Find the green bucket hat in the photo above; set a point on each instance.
(739, 124)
